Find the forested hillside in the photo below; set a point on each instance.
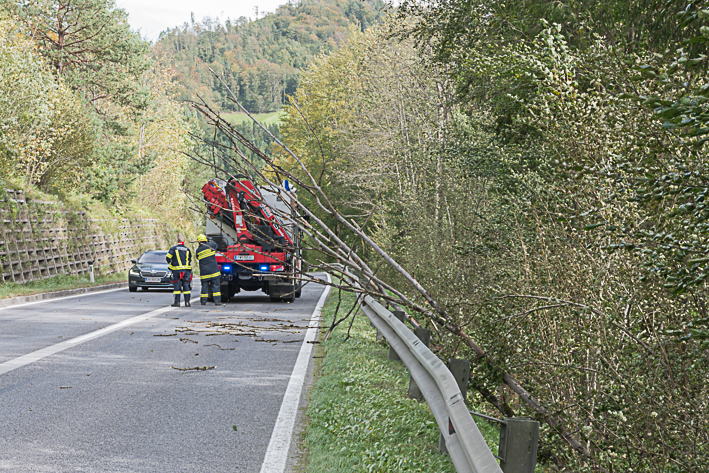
(260, 60)
(541, 169)
(90, 108)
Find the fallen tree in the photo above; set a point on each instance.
(229, 158)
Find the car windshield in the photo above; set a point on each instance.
(153, 257)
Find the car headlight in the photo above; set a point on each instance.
(134, 272)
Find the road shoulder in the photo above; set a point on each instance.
(53, 295)
(298, 454)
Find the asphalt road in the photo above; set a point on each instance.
(117, 403)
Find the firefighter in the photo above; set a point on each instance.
(179, 260)
(208, 270)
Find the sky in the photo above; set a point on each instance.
(153, 16)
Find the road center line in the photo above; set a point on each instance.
(278, 446)
(59, 347)
(83, 294)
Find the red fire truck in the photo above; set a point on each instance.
(256, 237)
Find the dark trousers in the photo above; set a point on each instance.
(182, 285)
(214, 285)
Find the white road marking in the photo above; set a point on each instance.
(84, 294)
(278, 446)
(51, 350)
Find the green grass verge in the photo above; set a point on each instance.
(270, 118)
(359, 417)
(57, 283)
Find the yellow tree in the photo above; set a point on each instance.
(44, 130)
(370, 117)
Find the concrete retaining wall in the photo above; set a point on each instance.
(40, 239)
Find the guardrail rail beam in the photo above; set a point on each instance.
(399, 314)
(424, 335)
(465, 444)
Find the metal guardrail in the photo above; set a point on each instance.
(465, 445)
(460, 436)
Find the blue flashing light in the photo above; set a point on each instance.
(226, 268)
(263, 267)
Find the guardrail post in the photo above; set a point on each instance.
(442, 444)
(424, 335)
(460, 369)
(518, 445)
(399, 314)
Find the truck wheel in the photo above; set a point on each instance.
(290, 298)
(291, 295)
(282, 297)
(229, 294)
(226, 293)
(132, 288)
(299, 291)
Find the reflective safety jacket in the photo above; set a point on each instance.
(179, 258)
(208, 267)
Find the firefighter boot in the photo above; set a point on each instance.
(217, 293)
(187, 301)
(177, 301)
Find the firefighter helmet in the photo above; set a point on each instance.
(201, 237)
